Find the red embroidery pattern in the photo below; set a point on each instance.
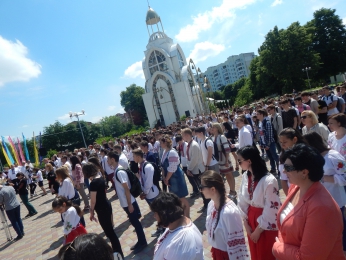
(235, 242)
(271, 226)
(274, 205)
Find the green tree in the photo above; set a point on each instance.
(231, 90)
(285, 52)
(113, 126)
(218, 95)
(244, 95)
(132, 101)
(329, 40)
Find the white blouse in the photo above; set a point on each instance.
(66, 189)
(337, 145)
(71, 220)
(244, 137)
(228, 234)
(173, 160)
(183, 243)
(266, 196)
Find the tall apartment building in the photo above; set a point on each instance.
(233, 69)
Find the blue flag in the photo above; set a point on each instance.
(26, 149)
(6, 149)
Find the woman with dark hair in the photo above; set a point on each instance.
(287, 138)
(101, 204)
(24, 194)
(173, 175)
(259, 201)
(96, 161)
(309, 221)
(334, 168)
(224, 221)
(51, 177)
(181, 239)
(337, 137)
(88, 247)
(78, 180)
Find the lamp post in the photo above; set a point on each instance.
(306, 69)
(77, 114)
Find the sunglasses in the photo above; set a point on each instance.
(289, 168)
(201, 187)
(303, 117)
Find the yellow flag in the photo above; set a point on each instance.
(35, 152)
(6, 157)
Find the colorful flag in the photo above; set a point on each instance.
(36, 152)
(7, 151)
(14, 150)
(20, 150)
(26, 149)
(6, 157)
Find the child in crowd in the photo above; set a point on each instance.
(71, 215)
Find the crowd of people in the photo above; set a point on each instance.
(303, 136)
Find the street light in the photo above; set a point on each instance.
(77, 114)
(306, 69)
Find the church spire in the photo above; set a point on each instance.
(153, 18)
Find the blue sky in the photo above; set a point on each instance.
(61, 56)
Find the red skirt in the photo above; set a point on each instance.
(218, 254)
(262, 250)
(77, 231)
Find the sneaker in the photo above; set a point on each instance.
(158, 232)
(202, 210)
(18, 238)
(139, 248)
(29, 215)
(194, 194)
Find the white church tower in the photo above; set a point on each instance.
(171, 90)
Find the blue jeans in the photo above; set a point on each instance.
(86, 183)
(273, 156)
(14, 217)
(149, 201)
(134, 220)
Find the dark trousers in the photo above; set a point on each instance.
(16, 221)
(32, 188)
(192, 181)
(86, 183)
(134, 220)
(197, 179)
(273, 156)
(27, 204)
(105, 219)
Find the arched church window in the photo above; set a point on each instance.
(157, 62)
(181, 60)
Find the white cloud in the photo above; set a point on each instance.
(205, 50)
(111, 108)
(14, 63)
(96, 119)
(344, 21)
(64, 117)
(25, 126)
(204, 21)
(135, 70)
(277, 2)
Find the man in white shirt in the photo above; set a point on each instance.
(127, 201)
(209, 160)
(106, 167)
(12, 173)
(123, 162)
(331, 101)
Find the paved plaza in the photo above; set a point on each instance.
(43, 232)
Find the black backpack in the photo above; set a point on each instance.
(136, 188)
(216, 149)
(157, 174)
